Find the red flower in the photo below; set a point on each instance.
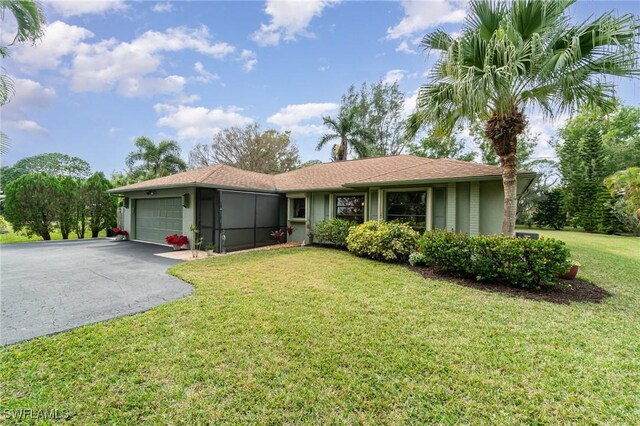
(290, 229)
(178, 240)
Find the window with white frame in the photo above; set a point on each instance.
(350, 207)
(298, 208)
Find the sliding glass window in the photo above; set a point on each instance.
(350, 207)
(409, 207)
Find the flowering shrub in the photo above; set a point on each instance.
(177, 240)
(390, 241)
(118, 231)
(520, 262)
(290, 230)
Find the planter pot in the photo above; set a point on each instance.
(175, 247)
(209, 252)
(571, 274)
(119, 237)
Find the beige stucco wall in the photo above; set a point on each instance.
(188, 213)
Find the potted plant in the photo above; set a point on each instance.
(177, 241)
(209, 248)
(572, 272)
(121, 234)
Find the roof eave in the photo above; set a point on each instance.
(124, 190)
(434, 180)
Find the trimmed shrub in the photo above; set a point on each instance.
(518, 262)
(334, 231)
(417, 259)
(447, 250)
(390, 241)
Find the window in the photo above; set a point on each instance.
(410, 207)
(298, 210)
(350, 207)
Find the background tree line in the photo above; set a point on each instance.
(40, 198)
(598, 156)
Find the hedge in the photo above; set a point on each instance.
(519, 262)
(381, 240)
(333, 231)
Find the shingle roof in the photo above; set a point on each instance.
(362, 172)
(218, 175)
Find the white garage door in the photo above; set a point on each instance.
(158, 217)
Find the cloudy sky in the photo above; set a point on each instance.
(107, 72)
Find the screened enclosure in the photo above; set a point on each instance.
(236, 220)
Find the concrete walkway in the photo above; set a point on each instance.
(49, 287)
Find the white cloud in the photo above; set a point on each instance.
(298, 118)
(199, 123)
(162, 7)
(394, 75)
(126, 66)
(420, 15)
(82, 7)
(60, 40)
(289, 19)
(545, 130)
(204, 76)
(113, 130)
(28, 94)
(403, 47)
(144, 87)
(409, 106)
(27, 126)
(249, 59)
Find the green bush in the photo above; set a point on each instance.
(390, 241)
(333, 231)
(519, 262)
(417, 259)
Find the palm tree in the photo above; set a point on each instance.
(514, 56)
(346, 128)
(155, 160)
(30, 20)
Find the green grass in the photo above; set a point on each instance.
(313, 335)
(19, 237)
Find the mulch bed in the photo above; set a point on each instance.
(569, 291)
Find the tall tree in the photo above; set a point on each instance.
(150, 161)
(31, 204)
(54, 164)
(349, 132)
(433, 145)
(30, 22)
(379, 108)
(100, 205)
(521, 54)
(620, 132)
(249, 149)
(66, 202)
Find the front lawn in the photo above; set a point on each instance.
(312, 335)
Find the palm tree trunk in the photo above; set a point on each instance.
(345, 148)
(510, 185)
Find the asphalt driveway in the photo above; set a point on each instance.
(48, 287)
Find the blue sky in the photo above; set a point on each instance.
(107, 72)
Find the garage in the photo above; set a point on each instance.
(158, 217)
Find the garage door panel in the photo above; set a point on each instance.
(156, 218)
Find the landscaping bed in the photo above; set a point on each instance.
(566, 292)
